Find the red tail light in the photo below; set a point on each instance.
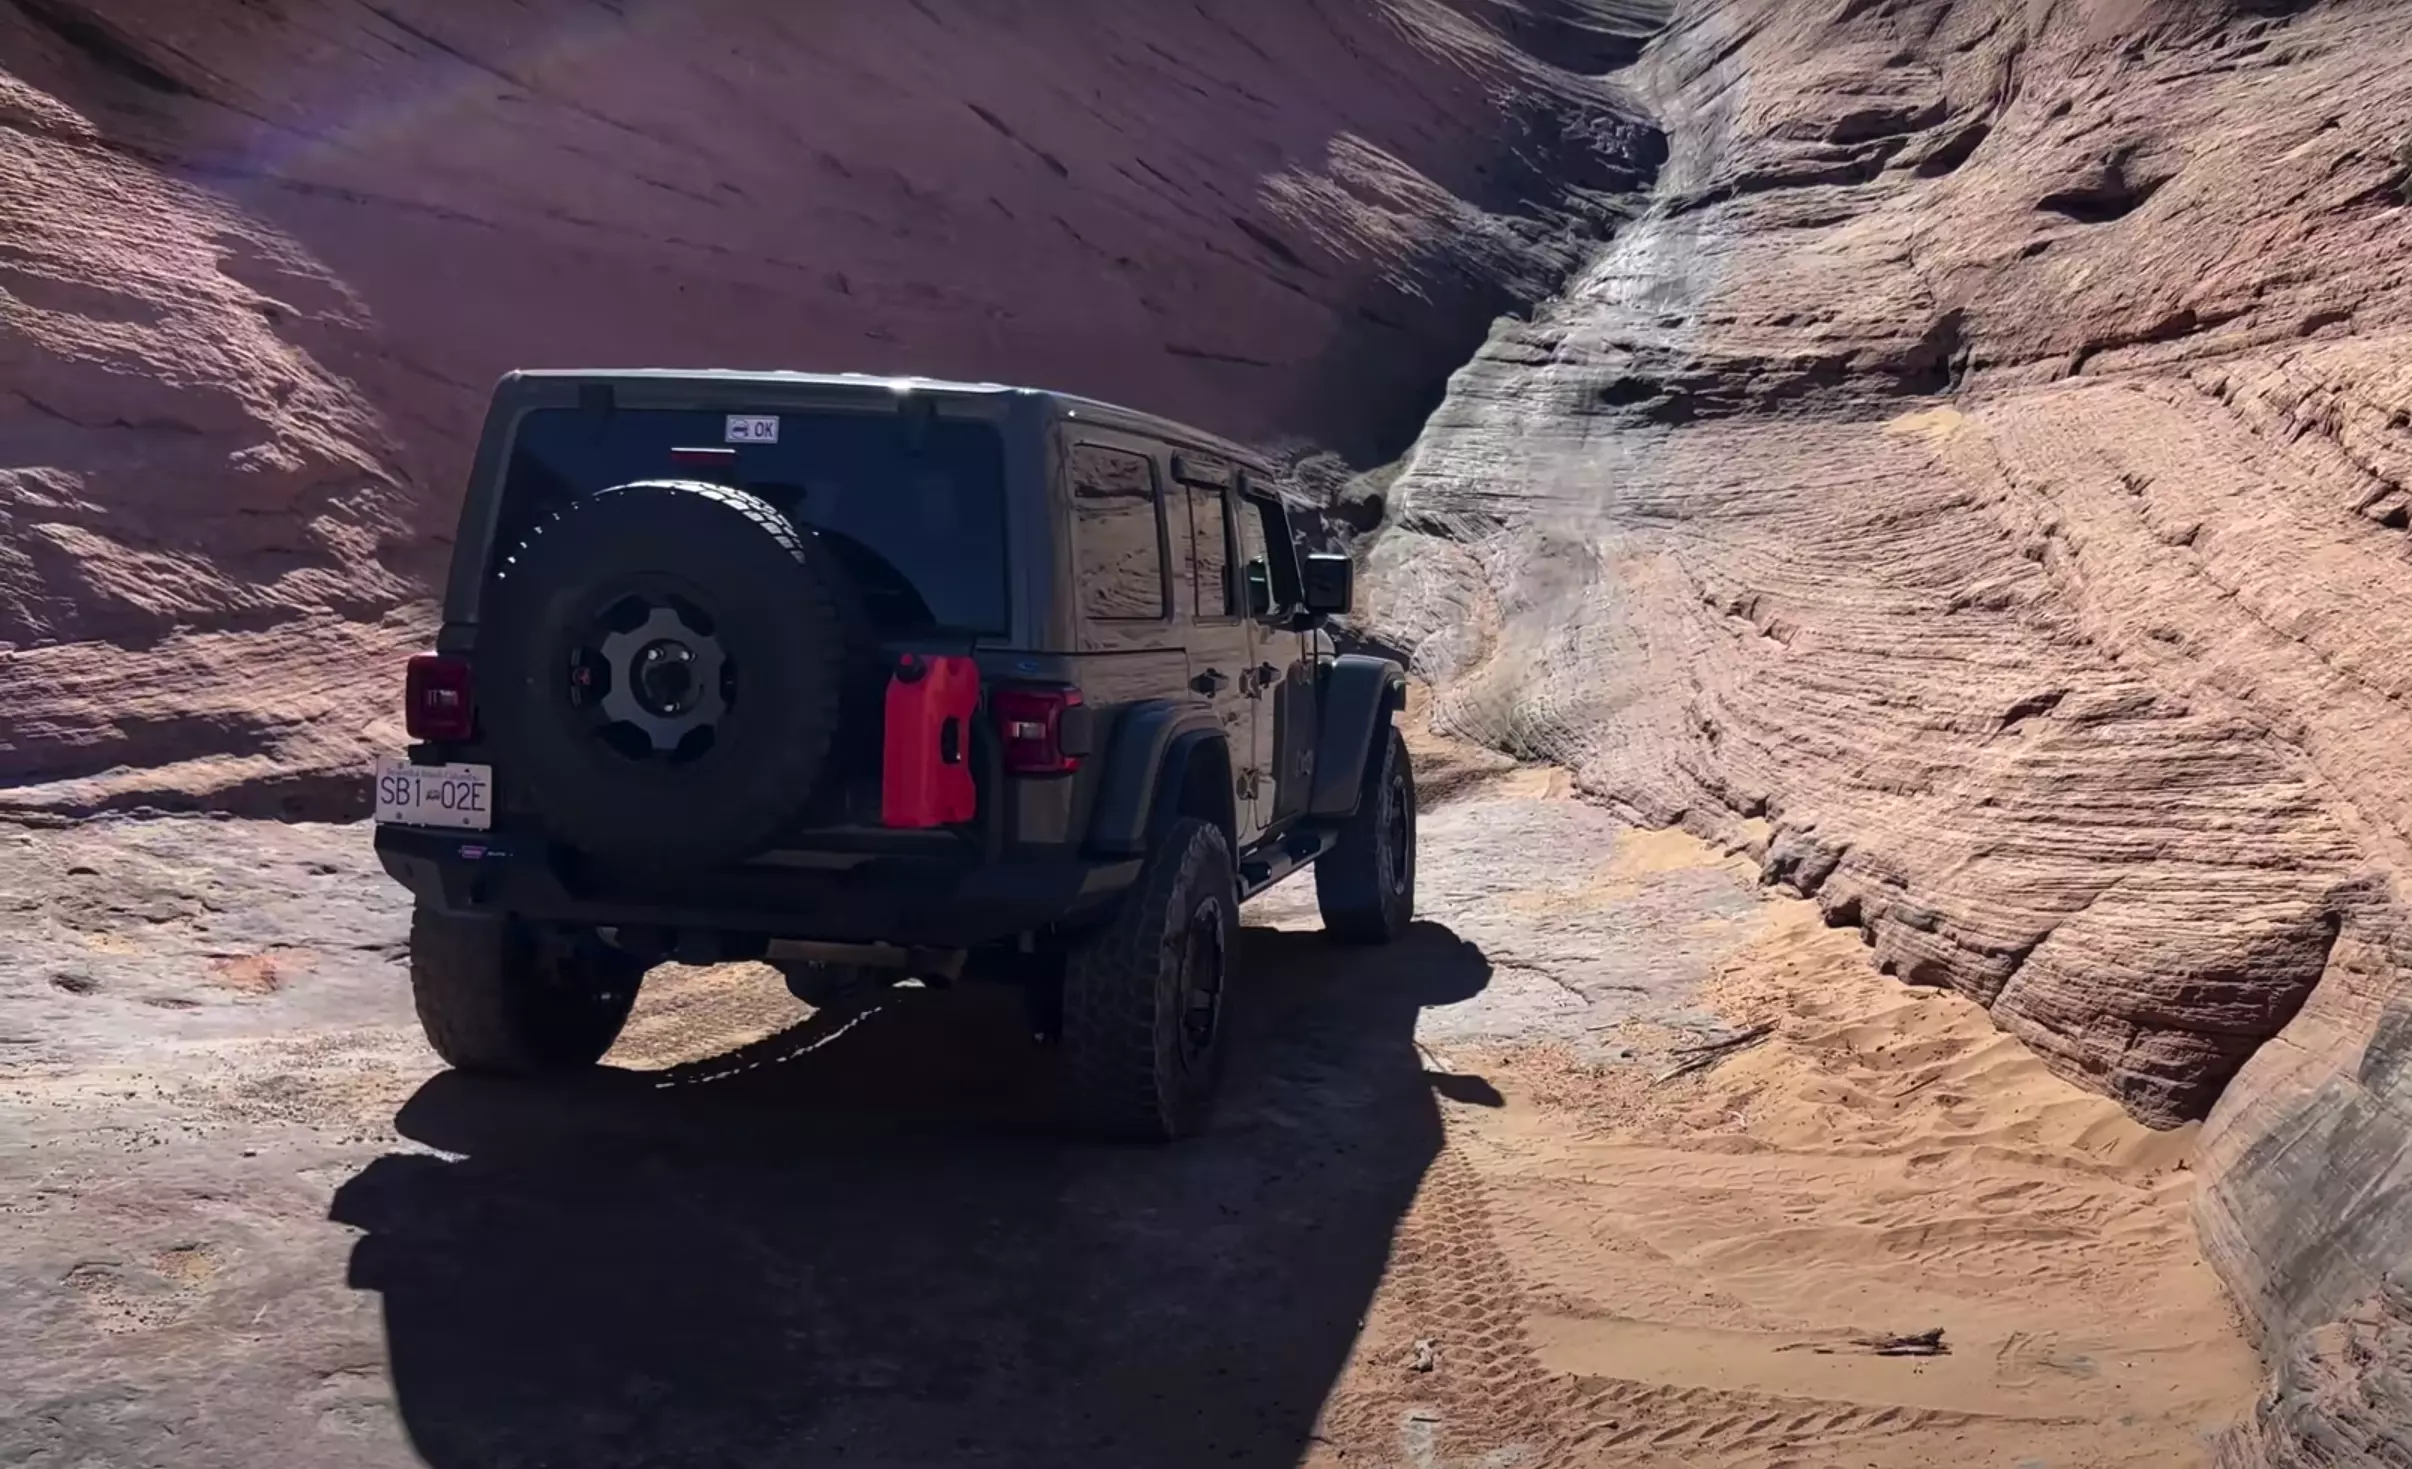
(1043, 731)
(436, 701)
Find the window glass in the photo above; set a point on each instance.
(1119, 551)
(1252, 536)
(1281, 551)
(1255, 574)
(1210, 543)
(920, 522)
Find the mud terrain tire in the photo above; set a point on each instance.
(752, 610)
(498, 997)
(823, 986)
(1366, 884)
(1144, 999)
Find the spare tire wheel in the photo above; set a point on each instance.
(664, 663)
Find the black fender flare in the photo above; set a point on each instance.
(1360, 695)
(1150, 745)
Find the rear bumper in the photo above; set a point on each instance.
(884, 900)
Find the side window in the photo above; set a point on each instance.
(1117, 542)
(1256, 583)
(1210, 552)
(1280, 553)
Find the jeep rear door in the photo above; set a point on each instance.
(1124, 630)
(1221, 660)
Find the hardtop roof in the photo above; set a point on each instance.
(1066, 405)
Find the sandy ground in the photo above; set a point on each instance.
(1448, 1214)
(1701, 1271)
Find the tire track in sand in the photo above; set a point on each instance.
(1610, 1271)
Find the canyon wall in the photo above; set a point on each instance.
(1975, 481)
(260, 263)
(1977, 486)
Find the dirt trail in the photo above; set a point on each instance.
(1445, 1216)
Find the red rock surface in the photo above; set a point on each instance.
(259, 264)
(1977, 486)
(2025, 563)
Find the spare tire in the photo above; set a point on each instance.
(661, 670)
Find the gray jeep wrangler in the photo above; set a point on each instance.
(876, 678)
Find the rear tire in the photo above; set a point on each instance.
(824, 986)
(495, 995)
(1366, 884)
(1144, 1000)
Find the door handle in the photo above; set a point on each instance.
(1213, 681)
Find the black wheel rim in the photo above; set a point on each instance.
(1398, 834)
(1202, 982)
(652, 675)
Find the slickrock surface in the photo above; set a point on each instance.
(1979, 482)
(1446, 1214)
(1976, 483)
(259, 265)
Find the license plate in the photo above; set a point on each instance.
(457, 796)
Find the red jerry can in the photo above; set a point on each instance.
(925, 776)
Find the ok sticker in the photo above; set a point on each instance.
(752, 428)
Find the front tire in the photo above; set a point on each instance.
(497, 996)
(1366, 884)
(1144, 999)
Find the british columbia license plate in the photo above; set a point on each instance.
(457, 796)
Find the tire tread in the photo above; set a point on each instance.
(751, 804)
(1351, 890)
(1123, 1067)
(477, 986)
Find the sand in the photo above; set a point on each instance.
(1609, 1268)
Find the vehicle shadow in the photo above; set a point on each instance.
(864, 1241)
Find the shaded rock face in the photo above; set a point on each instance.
(259, 265)
(1976, 485)
(2341, 1394)
(2308, 1169)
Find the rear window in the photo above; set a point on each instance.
(915, 509)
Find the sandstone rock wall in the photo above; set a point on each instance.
(260, 262)
(1977, 487)
(1976, 483)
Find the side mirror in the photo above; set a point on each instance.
(1331, 584)
(1259, 581)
